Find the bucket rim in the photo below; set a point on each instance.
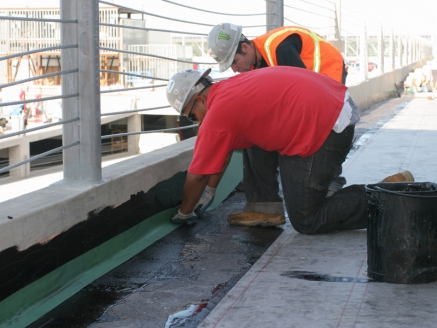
(403, 193)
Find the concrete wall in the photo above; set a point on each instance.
(39, 216)
(381, 87)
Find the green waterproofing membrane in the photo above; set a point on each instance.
(27, 305)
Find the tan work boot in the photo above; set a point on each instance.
(404, 176)
(255, 218)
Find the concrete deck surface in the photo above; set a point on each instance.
(321, 280)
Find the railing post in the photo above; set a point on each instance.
(84, 161)
(401, 50)
(381, 46)
(392, 50)
(413, 50)
(275, 14)
(432, 51)
(364, 59)
(337, 19)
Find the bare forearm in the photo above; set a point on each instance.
(215, 179)
(193, 189)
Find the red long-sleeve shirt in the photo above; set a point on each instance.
(285, 109)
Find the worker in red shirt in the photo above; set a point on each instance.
(284, 46)
(275, 110)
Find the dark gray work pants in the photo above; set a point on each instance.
(305, 183)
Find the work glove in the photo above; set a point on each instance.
(205, 201)
(184, 218)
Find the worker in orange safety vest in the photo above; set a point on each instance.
(283, 46)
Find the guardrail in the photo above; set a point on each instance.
(85, 31)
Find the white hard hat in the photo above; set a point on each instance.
(183, 85)
(222, 42)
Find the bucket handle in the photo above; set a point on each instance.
(379, 189)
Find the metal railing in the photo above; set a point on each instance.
(24, 102)
(79, 34)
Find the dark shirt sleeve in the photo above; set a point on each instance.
(288, 52)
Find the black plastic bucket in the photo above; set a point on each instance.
(402, 232)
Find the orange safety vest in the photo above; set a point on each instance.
(317, 54)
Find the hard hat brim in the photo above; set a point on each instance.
(204, 76)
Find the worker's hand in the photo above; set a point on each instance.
(205, 201)
(184, 218)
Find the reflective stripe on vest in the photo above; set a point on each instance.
(314, 36)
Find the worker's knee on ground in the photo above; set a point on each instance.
(305, 230)
(306, 225)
